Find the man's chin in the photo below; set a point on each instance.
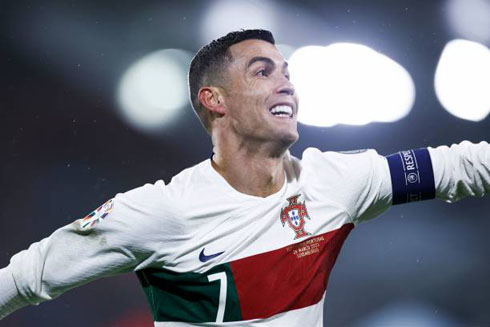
(290, 138)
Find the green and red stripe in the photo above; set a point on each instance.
(258, 286)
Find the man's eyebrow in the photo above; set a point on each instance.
(266, 60)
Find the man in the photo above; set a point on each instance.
(248, 237)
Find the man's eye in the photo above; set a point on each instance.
(262, 72)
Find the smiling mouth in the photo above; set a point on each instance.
(282, 111)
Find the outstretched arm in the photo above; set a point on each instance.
(10, 299)
(115, 238)
(448, 173)
(73, 255)
(461, 170)
(372, 183)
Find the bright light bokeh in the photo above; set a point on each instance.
(470, 19)
(225, 16)
(154, 89)
(352, 84)
(408, 314)
(462, 79)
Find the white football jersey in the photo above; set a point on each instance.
(208, 255)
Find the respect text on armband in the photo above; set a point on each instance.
(412, 177)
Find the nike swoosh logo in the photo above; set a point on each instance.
(204, 258)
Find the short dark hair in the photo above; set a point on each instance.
(208, 65)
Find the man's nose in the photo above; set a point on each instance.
(286, 87)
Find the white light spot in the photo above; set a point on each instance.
(470, 18)
(352, 84)
(225, 16)
(462, 79)
(154, 89)
(407, 313)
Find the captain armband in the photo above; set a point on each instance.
(412, 176)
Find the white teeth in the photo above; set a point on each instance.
(282, 110)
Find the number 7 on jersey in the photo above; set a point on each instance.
(221, 276)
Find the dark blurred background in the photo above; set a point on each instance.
(66, 148)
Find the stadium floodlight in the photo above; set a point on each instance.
(346, 83)
(224, 16)
(469, 19)
(153, 90)
(462, 79)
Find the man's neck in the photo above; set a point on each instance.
(250, 172)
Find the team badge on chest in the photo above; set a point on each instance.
(294, 214)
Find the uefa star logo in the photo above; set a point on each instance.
(412, 178)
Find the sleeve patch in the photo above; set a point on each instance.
(97, 215)
(412, 177)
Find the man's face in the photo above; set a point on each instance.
(261, 102)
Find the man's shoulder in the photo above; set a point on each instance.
(192, 177)
(160, 191)
(334, 169)
(168, 202)
(315, 155)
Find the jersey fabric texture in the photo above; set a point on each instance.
(208, 255)
(276, 252)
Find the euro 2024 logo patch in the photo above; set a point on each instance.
(97, 215)
(294, 214)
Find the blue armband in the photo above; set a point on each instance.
(412, 177)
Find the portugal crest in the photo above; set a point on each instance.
(295, 214)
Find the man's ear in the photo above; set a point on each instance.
(211, 98)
